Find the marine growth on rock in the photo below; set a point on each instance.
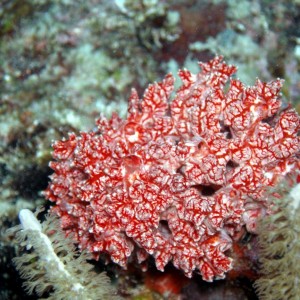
(181, 176)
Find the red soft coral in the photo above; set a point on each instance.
(177, 179)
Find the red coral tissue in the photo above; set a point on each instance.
(177, 179)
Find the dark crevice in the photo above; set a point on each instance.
(180, 170)
(270, 121)
(164, 228)
(226, 130)
(206, 190)
(201, 144)
(231, 165)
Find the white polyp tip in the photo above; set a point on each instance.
(28, 220)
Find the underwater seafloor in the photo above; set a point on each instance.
(64, 62)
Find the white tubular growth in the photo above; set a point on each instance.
(29, 221)
(51, 263)
(295, 195)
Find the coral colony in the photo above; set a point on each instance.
(177, 179)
